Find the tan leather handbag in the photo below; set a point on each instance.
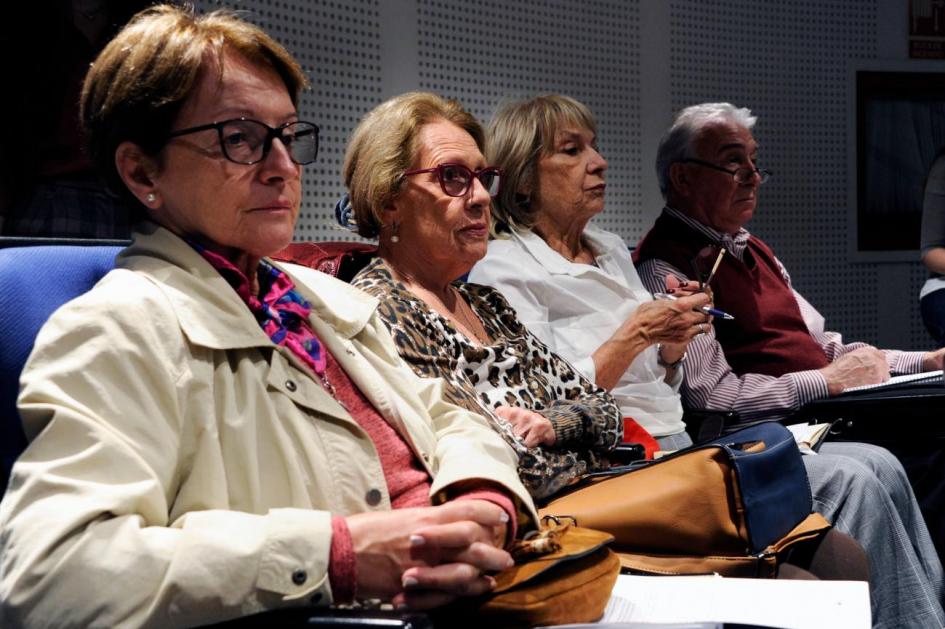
(562, 575)
(685, 515)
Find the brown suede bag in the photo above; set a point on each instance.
(563, 575)
(684, 515)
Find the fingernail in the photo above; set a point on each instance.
(491, 582)
(510, 562)
(409, 582)
(417, 540)
(504, 517)
(670, 290)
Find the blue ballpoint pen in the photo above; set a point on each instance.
(714, 312)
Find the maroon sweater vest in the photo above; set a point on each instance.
(768, 335)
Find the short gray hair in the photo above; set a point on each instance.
(676, 144)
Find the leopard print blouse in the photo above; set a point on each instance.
(516, 369)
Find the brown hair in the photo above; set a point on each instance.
(136, 86)
(384, 145)
(520, 133)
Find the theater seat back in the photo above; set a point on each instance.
(34, 282)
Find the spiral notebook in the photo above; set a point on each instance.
(926, 377)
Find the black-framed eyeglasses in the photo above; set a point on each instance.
(740, 175)
(247, 141)
(455, 179)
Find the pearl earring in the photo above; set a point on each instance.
(151, 197)
(393, 232)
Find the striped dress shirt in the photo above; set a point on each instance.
(710, 382)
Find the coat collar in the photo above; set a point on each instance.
(210, 312)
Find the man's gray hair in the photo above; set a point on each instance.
(676, 144)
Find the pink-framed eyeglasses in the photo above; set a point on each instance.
(455, 179)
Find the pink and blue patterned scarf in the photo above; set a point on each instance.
(281, 312)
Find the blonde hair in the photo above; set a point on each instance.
(136, 86)
(520, 134)
(385, 144)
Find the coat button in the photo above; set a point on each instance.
(291, 386)
(299, 577)
(533, 385)
(373, 497)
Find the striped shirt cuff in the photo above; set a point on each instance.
(810, 385)
(905, 362)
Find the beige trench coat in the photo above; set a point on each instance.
(182, 469)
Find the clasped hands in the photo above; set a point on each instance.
(425, 557)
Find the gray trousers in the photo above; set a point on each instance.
(864, 492)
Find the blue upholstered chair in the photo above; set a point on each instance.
(35, 279)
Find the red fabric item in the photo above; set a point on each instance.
(338, 259)
(342, 569)
(768, 335)
(635, 433)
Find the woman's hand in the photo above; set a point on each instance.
(673, 352)
(670, 322)
(534, 429)
(680, 288)
(428, 556)
(934, 260)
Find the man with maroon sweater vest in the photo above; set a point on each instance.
(775, 356)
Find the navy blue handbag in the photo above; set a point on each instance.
(773, 483)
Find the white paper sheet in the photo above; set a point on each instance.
(776, 603)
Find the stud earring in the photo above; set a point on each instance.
(151, 197)
(393, 232)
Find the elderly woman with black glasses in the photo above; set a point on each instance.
(213, 434)
(418, 182)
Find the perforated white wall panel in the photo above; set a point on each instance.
(485, 52)
(788, 62)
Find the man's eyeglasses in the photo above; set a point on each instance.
(455, 179)
(246, 141)
(741, 175)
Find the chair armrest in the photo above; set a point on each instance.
(627, 453)
(705, 425)
(328, 618)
